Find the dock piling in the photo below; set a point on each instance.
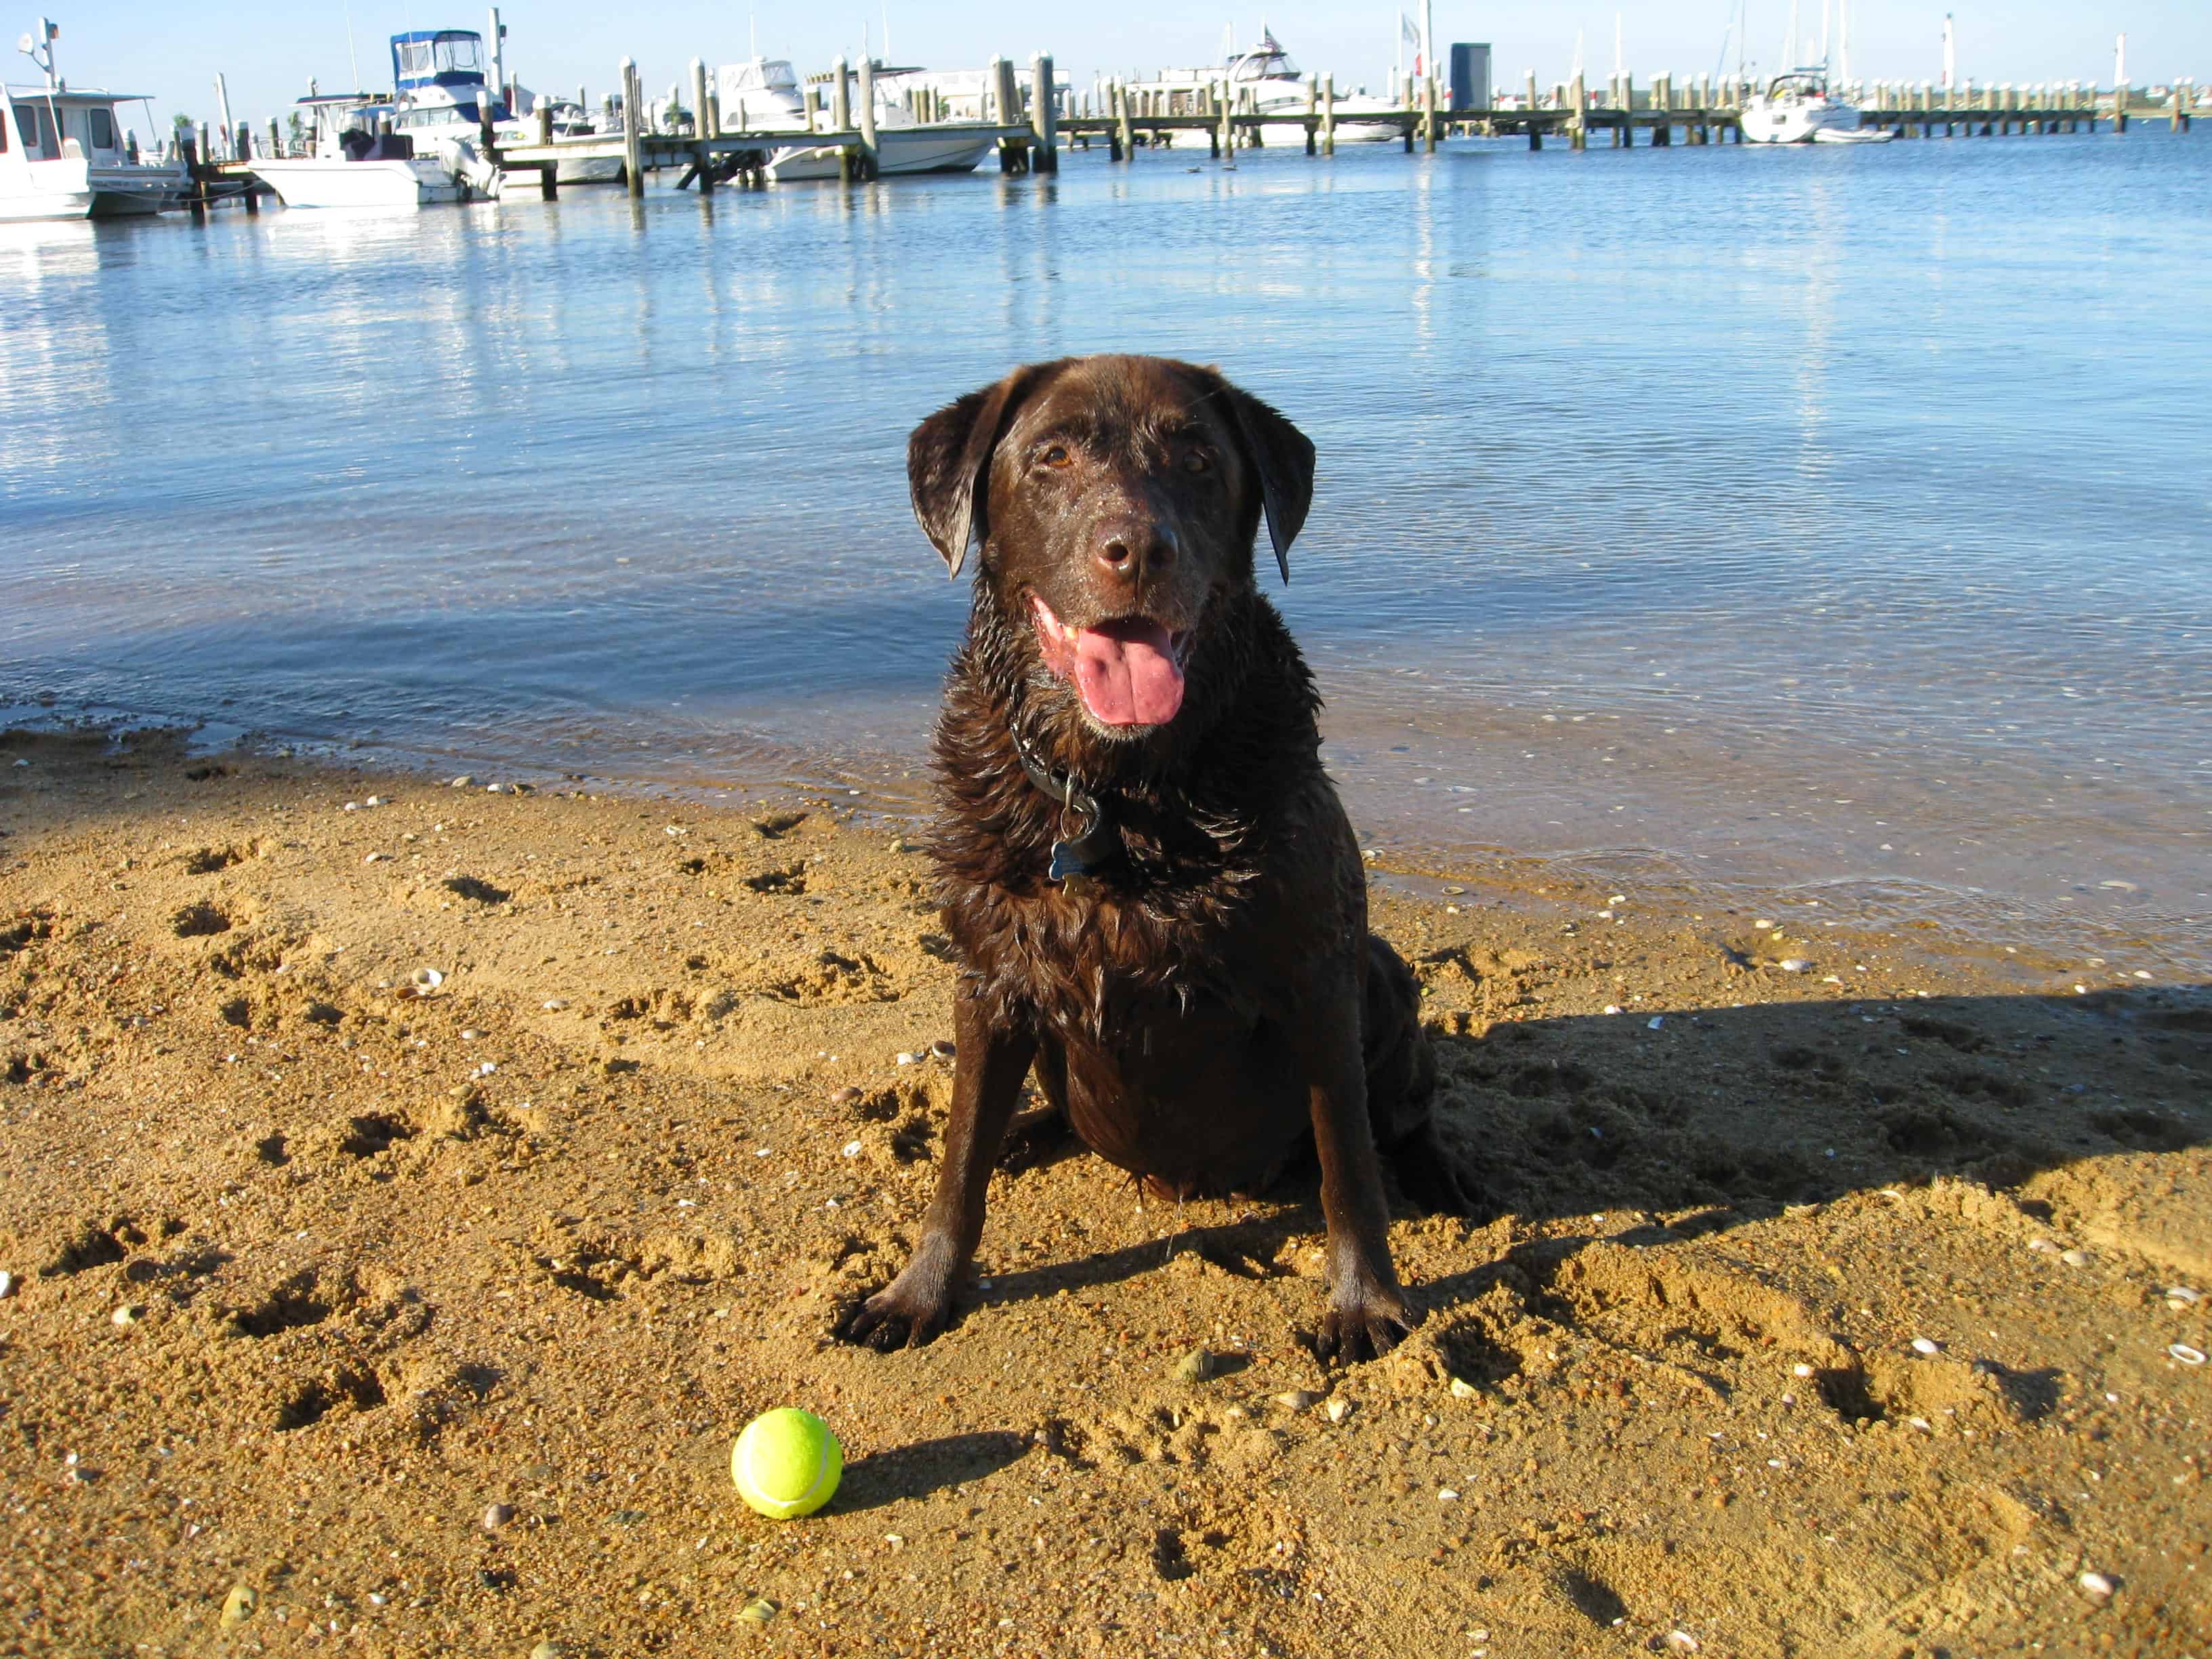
(1044, 148)
(1328, 114)
(869, 168)
(633, 160)
(840, 116)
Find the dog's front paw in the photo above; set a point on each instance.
(906, 1313)
(1363, 1321)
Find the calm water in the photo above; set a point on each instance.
(1835, 521)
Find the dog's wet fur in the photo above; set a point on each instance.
(1208, 1004)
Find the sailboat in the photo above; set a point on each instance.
(1799, 106)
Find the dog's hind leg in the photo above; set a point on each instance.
(1036, 1134)
(1401, 1082)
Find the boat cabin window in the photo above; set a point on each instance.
(100, 127)
(36, 124)
(450, 52)
(3, 128)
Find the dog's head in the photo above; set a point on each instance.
(1115, 500)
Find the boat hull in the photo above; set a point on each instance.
(900, 152)
(599, 171)
(45, 205)
(1765, 122)
(305, 183)
(1348, 131)
(81, 189)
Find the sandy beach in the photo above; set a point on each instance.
(411, 1189)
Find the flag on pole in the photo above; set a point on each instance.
(1411, 35)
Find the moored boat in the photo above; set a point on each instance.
(762, 95)
(356, 160)
(1263, 80)
(65, 154)
(1799, 107)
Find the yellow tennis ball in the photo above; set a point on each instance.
(786, 1463)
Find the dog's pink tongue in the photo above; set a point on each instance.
(1127, 673)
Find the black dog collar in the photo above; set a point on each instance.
(1099, 843)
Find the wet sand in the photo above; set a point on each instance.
(307, 1271)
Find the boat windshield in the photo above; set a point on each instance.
(1799, 83)
(1265, 61)
(443, 56)
(769, 74)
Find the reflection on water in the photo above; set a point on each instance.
(1830, 517)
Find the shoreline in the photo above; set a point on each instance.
(308, 1271)
(2107, 942)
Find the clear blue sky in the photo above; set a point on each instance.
(268, 48)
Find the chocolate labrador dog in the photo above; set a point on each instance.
(1157, 899)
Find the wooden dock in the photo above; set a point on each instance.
(1702, 112)
(1025, 124)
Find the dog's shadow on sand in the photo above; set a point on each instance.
(1712, 1118)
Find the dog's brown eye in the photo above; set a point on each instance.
(1198, 461)
(1055, 455)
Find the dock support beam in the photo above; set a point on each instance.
(868, 94)
(633, 170)
(1328, 114)
(702, 159)
(1044, 151)
(840, 116)
(1578, 121)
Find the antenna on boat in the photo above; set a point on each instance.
(39, 49)
(887, 31)
(352, 57)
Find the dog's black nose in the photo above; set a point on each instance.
(1134, 551)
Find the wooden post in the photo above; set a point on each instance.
(1578, 118)
(1625, 134)
(1429, 113)
(633, 170)
(867, 99)
(1045, 151)
(840, 116)
(1328, 114)
(1313, 114)
(1121, 122)
(702, 159)
(1228, 140)
(275, 139)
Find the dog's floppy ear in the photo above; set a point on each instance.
(948, 463)
(1283, 456)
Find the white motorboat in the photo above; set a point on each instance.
(357, 161)
(762, 95)
(567, 120)
(441, 99)
(64, 154)
(1798, 107)
(1264, 81)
